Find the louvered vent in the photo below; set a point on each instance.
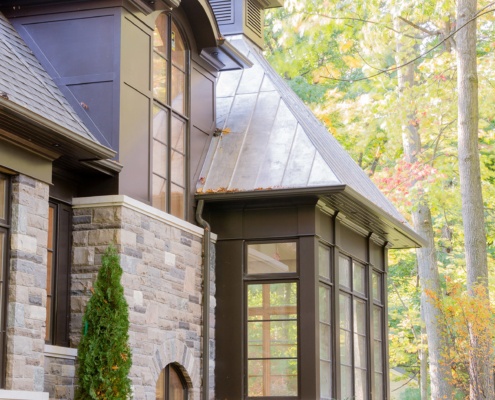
(254, 17)
(223, 10)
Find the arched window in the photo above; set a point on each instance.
(171, 384)
(170, 117)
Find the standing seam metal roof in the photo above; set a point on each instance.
(24, 81)
(269, 139)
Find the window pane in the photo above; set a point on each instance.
(346, 382)
(345, 272)
(378, 386)
(3, 198)
(159, 193)
(160, 386)
(376, 284)
(378, 362)
(325, 380)
(359, 278)
(360, 316)
(361, 384)
(178, 48)
(324, 261)
(345, 311)
(324, 304)
(160, 124)
(177, 165)
(325, 342)
(275, 339)
(159, 159)
(178, 90)
(345, 347)
(177, 199)
(160, 35)
(377, 322)
(270, 258)
(360, 351)
(177, 141)
(283, 380)
(3, 249)
(160, 78)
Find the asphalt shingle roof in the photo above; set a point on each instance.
(24, 81)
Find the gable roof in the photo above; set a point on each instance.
(269, 141)
(23, 81)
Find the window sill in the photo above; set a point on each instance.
(22, 395)
(59, 352)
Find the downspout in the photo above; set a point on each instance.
(206, 299)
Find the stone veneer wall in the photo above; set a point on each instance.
(27, 285)
(60, 368)
(162, 261)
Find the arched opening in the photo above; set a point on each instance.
(171, 384)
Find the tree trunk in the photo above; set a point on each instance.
(480, 359)
(440, 374)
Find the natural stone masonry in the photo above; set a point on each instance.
(27, 285)
(60, 367)
(162, 261)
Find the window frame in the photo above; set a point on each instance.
(166, 380)
(172, 114)
(57, 330)
(5, 225)
(270, 278)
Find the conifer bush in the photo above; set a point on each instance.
(104, 353)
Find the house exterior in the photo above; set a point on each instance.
(254, 249)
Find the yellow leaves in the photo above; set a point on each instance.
(352, 62)
(327, 71)
(345, 46)
(115, 367)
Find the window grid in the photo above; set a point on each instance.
(378, 331)
(354, 347)
(325, 320)
(170, 118)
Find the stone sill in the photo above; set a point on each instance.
(60, 352)
(22, 395)
(129, 202)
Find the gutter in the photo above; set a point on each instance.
(56, 131)
(206, 299)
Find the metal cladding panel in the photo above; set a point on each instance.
(81, 52)
(26, 83)
(135, 146)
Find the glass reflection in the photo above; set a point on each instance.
(272, 258)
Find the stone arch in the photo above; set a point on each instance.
(175, 351)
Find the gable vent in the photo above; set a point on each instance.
(223, 10)
(254, 17)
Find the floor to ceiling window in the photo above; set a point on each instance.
(170, 117)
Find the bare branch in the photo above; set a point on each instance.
(420, 28)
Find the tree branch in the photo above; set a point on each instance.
(429, 33)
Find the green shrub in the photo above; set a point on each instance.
(104, 353)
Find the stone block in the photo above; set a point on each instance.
(103, 237)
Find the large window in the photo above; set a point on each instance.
(171, 384)
(4, 240)
(170, 117)
(58, 274)
(354, 348)
(325, 318)
(272, 320)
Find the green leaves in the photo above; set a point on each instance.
(104, 353)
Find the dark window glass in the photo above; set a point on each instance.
(4, 245)
(171, 384)
(58, 274)
(170, 117)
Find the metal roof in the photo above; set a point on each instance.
(23, 81)
(268, 139)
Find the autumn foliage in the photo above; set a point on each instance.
(467, 318)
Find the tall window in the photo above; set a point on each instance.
(58, 276)
(272, 320)
(4, 234)
(353, 329)
(325, 318)
(170, 117)
(378, 330)
(171, 384)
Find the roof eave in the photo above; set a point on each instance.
(55, 131)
